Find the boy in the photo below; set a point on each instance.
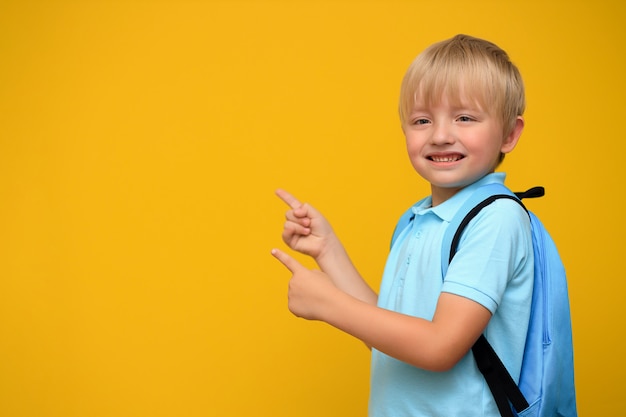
(461, 107)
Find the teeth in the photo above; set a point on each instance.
(445, 158)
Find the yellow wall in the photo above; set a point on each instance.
(140, 144)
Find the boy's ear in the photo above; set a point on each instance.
(513, 137)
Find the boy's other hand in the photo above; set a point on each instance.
(309, 290)
(306, 230)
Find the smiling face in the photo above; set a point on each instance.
(452, 144)
(461, 107)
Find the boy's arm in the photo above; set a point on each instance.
(308, 232)
(435, 345)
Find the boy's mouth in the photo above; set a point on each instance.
(446, 158)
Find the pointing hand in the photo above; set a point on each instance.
(309, 291)
(305, 230)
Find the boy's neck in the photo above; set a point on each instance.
(440, 195)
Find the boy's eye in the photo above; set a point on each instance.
(465, 119)
(420, 121)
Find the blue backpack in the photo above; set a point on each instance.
(546, 386)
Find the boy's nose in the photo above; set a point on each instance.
(442, 134)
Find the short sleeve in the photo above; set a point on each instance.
(493, 250)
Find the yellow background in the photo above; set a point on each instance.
(140, 145)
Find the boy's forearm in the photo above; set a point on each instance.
(432, 345)
(406, 338)
(435, 345)
(336, 262)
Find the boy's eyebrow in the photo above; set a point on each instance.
(474, 107)
(456, 108)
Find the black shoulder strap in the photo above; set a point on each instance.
(501, 384)
(470, 215)
(532, 193)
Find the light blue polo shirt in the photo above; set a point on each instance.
(493, 266)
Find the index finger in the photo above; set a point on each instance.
(290, 200)
(289, 262)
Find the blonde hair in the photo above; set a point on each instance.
(465, 67)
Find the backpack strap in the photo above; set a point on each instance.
(481, 198)
(531, 193)
(404, 221)
(500, 382)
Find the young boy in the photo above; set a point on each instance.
(461, 107)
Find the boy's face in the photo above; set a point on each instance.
(453, 146)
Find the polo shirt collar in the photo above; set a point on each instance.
(448, 208)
